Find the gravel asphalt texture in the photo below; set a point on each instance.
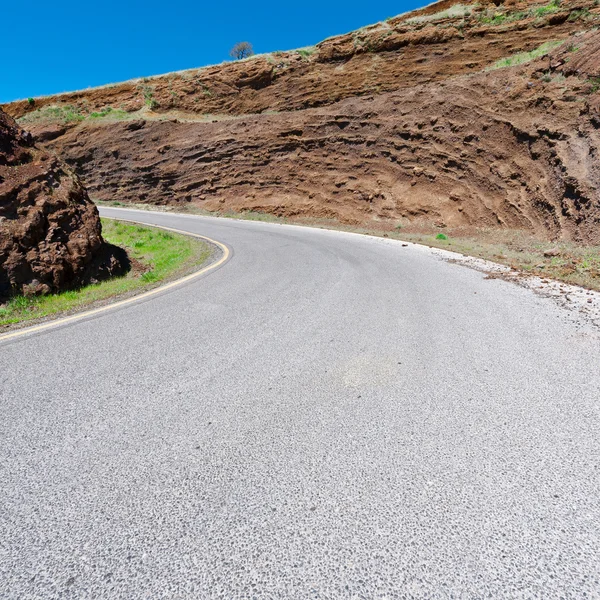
(327, 415)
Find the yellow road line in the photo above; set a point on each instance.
(121, 303)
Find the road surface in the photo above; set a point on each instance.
(325, 416)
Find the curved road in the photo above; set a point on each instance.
(325, 416)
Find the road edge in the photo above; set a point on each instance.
(226, 255)
(571, 297)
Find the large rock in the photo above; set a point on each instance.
(50, 231)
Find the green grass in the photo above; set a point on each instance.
(110, 112)
(70, 114)
(206, 90)
(583, 13)
(64, 113)
(492, 16)
(548, 9)
(165, 255)
(458, 10)
(306, 52)
(148, 94)
(524, 57)
(594, 83)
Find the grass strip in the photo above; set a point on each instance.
(525, 57)
(157, 256)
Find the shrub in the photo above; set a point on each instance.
(306, 52)
(149, 99)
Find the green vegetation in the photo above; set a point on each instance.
(441, 236)
(65, 113)
(563, 261)
(365, 44)
(111, 112)
(583, 13)
(458, 10)
(493, 16)
(540, 11)
(31, 101)
(306, 52)
(498, 16)
(524, 57)
(149, 100)
(70, 114)
(158, 255)
(595, 84)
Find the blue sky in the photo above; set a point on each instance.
(51, 47)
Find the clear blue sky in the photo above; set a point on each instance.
(50, 47)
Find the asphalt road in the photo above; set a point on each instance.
(325, 416)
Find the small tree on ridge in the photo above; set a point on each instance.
(241, 50)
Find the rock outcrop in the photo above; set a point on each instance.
(50, 231)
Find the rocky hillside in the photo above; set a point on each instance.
(50, 232)
(453, 115)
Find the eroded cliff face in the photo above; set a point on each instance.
(398, 122)
(50, 231)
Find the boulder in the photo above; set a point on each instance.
(50, 230)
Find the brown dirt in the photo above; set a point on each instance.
(383, 57)
(50, 232)
(397, 122)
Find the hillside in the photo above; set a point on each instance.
(455, 115)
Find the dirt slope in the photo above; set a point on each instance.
(50, 232)
(383, 57)
(404, 124)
